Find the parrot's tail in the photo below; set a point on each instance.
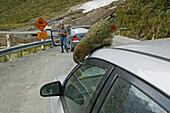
(112, 16)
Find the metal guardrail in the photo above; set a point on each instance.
(14, 49)
(8, 51)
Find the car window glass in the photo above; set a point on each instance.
(80, 30)
(125, 98)
(55, 33)
(81, 86)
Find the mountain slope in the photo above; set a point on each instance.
(18, 13)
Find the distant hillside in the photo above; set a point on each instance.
(145, 17)
(19, 13)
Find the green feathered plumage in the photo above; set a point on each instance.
(97, 37)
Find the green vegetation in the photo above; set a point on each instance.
(146, 18)
(19, 13)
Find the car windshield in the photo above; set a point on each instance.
(80, 30)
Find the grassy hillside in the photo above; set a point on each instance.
(145, 17)
(18, 13)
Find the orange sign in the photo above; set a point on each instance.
(41, 24)
(41, 35)
(113, 28)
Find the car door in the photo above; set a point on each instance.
(125, 93)
(83, 85)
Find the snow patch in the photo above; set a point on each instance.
(89, 6)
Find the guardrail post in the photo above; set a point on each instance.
(34, 49)
(8, 45)
(8, 40)
(3, 59)
(153, 37)
(51, 46)
(19, 54)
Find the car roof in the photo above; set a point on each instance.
(159, 47)
(78, 27)
(148, 60)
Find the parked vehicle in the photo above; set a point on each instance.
(125, 79)
(75, 35)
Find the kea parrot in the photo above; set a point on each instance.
(98, 36)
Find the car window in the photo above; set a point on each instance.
(55, 33)
(81, 86)
(126, 98)
(80, 30)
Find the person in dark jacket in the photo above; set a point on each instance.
(62, 32)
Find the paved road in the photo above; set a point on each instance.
(21, 80)
(120, 40)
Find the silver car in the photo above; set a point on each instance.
(76, 34)
(125, 79)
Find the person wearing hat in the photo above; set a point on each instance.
(62, 32)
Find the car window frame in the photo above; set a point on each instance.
(71, 31)
(96, 62)
(149, 90)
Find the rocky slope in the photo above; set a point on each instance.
(148, 19)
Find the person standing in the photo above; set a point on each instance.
(62, 32)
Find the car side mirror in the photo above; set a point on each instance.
(51, 89)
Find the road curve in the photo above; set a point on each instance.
(21, 79)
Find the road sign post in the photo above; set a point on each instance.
(42, 36)
(41, 24)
